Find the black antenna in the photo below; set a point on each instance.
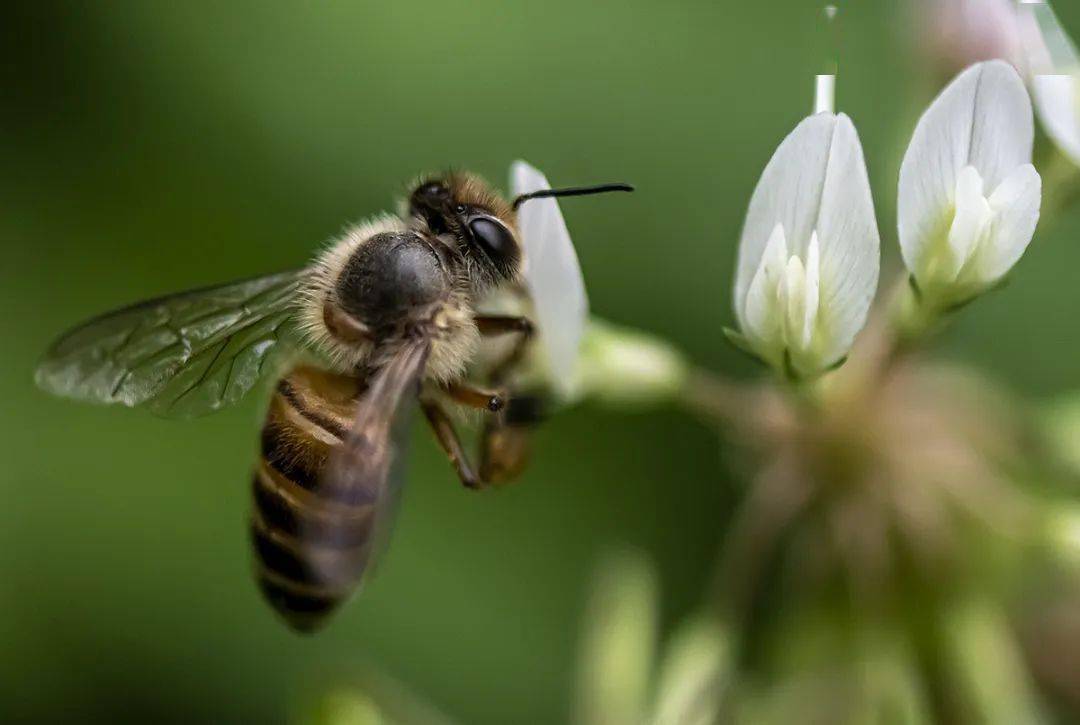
(571, 191)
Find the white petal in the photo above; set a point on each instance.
(1057, 99)
(850, 245)
(1048, 49)
(1003, 127)
(761, 318)
(970, 223)
(817, 181)
(1016, 203)
(793, 301)
(813, 281)
(982, 119)
(788, 193)
(552, 274)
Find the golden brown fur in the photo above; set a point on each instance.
(456, 338)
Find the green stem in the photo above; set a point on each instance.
(714, 398)
(910, 320)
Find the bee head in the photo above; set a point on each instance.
(480, 221)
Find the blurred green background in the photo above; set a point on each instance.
(149, 147)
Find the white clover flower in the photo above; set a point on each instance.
(553, 277)
(969, 197)
(809, 252)
(1053, 64)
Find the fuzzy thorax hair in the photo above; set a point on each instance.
(455, 337)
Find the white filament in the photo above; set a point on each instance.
(825, 94)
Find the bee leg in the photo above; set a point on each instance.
(504, 448)
(448, 438)
(490, 400)
(491, 325)
(344, 326)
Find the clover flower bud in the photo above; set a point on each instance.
(969, 197)
(809, 253)
(627, 368)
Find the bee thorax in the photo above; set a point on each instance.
(390, 279)
(388, 283)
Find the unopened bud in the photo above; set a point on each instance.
(624, 367)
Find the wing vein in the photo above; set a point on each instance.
(151, 351)
(202, 377)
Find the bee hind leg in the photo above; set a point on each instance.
(506, 440)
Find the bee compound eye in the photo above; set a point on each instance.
(493, 237)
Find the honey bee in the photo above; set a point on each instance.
(388, 315)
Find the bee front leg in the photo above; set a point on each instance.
(448, 438)
(490, 400)
(492, 325)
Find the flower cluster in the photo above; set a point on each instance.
(968, 205)
(893, 508)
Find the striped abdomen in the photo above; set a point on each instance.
(311, 543)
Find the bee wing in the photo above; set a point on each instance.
(387, 510)
(363, 472)
(552, 275)
(184, 355)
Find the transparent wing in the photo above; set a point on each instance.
(389, 504)
(364, 472)
(553, 276)
(183, 355)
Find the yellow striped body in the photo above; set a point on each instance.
(311, 543)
